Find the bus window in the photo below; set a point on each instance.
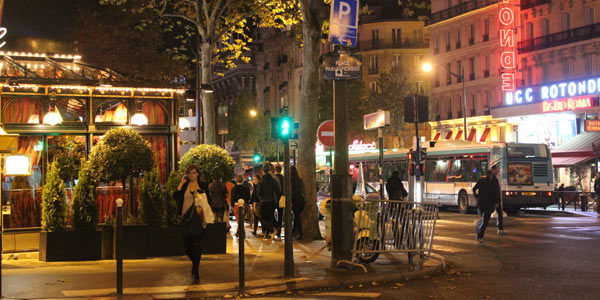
(479, 169)
(436, 169)
(403, 170)
(458, 171)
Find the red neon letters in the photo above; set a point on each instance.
(506, 16)
(568, 104)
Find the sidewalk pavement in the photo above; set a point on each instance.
(168, 278)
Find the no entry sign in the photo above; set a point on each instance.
(325, 134)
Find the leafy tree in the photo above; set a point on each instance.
(85, 208)
(213, 162)
(54, 205)
(251, 132)
(222, 27)
(122, 153)
(151, 200)
(171, 217)
(112, 37)
(69, 153)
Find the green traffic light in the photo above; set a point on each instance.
(256, 158)
(285, 127)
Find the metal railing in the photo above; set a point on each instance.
(402, 43)
(560, 38)
(458, 10)
(389, 226)
(525, 4)
(584, 200)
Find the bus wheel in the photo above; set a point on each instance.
(463, 202)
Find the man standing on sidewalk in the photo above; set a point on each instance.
(487, 192)
(499, 212)
(279, 178)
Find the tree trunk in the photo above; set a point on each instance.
(1, 10)
(313, 13)
(208, 105)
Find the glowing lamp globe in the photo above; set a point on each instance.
(139, 119)
(184, 123)
(52, 118)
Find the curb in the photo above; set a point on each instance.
(329, 283)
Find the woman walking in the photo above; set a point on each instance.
(298, 202)
(255, 203)
(191, 215)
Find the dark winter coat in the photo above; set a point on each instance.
(218, 192)
(240, 192)
(395, 188)
(178, 195)
(268, 189)
(298, 198)
(487, 192)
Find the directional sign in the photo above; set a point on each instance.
(342, 66)
(325, 134)
(295, 131)
(343, 20)
(376, 120)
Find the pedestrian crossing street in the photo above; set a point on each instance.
(452, 241)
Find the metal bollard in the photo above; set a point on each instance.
(242, 236)
(119, 246)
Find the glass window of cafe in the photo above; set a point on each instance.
(24, 193)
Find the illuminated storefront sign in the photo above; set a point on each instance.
(3, 32)
(506, 15)
(359, 146)
(554, 91)
(568, 104)
(592, 125)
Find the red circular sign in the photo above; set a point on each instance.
(325, 134)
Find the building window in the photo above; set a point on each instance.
(545, 27)
(374, 65)
(458, 38)
(473, 108)
(397, 36)
(436, 44)
(448, 75)
(566, 68)
(471, 34)
(374, 37)
(545, 73)
(530, 33)
(589, 15)
(589, 64)
(486, 30)
(448, 3)
(459, 70)
(397, 60)
(472, 68)
(447, 41)
(486, 67)
(418, 61)
(373, 86)
(487, 100)
(529, 74)
(417, 35)
(566, 21)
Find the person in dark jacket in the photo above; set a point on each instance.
(597, 185)
(239, 191)
(298, 201)
(255, 203)
(488, 198)
(219, 205)
(185, 194)
(395, 188)
(268, 194)
(280, 180)
(500, 218)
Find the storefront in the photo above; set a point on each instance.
(481, 129)
(61, 107)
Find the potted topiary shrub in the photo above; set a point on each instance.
(161, 240)
(214, 163)
(55, 241)
(122, 155)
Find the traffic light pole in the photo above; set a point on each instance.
(417, 153)
(288, 263)
(381, 186)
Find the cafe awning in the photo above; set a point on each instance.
(567, 161)
(577, 150)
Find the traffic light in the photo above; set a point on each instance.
(282, 128)
(328, 161)
(257, 158)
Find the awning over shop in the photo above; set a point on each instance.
(437, 136)
(472, 134)
(567, 161)
(459, 135)
(577, 150)
(484, 135)
(449, 135)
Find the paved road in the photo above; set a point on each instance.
(545, 255)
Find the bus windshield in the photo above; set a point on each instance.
(526, 151)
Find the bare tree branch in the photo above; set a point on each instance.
(214, 15)
(205, 8)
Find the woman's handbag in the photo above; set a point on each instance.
(191, 223)
(201, 202)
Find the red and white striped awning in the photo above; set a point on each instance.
(449, 135)
(484, 135)
(437, 136)
(459, 135)
(472, 134)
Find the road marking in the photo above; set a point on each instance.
(348, 294)
(448, 249)
(456, 240)
(560, 236)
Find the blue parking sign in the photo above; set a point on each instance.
(343, 20)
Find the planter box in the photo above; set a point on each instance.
(70, 245)
(107, 241)
(164, 242)
(215, 239)
(134, 241)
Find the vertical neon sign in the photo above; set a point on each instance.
(507, 25)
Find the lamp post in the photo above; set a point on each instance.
(427, 67)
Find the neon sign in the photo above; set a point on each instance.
(359, 146)
(559, 90)
(3, 32)
(506, 16)
(568, 104)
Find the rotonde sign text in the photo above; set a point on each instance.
(553, 91)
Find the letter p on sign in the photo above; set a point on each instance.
(345, 10)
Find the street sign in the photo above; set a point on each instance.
(341, 66)
(376, 120)
(343, 20)
(325, 134)
(295, 131)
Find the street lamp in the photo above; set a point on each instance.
(427, 67)
(253, 113)
(139, 118)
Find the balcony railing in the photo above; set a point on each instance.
(458, 10)
(373, 71)
(472, 76)
(406, 43)
(486, 37)
(450, 115)
(471, 41)
(448, 48)
(486, 73)
(457, 45)
(560, 38)
(525, 4)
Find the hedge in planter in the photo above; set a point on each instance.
(57, 244)
(121, 154)
(85, 209)
(151, 197)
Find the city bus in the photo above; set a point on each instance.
(453, 167)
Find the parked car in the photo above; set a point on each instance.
(324, 193)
